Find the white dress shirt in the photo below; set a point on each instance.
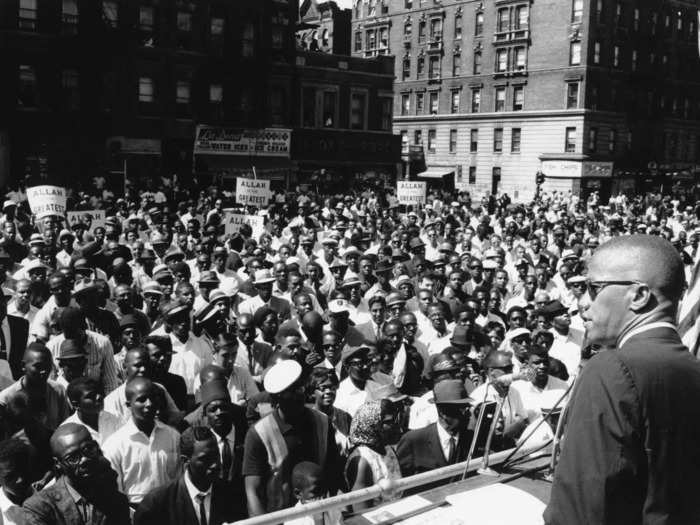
(107, 424)
(189, 358)
(29, 315)
(115, 403)
(349, 398)
(10, 514)
(194, 492)
(534, 398)
(142, 462)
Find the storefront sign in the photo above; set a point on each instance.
(234, 221)
(92, 219)
(576, 169)
(47, 200)
(252, 192)
(410, 192)
(597, 169)
(265, 142)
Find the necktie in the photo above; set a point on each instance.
(202, 511)
(251, 361)
(82, 508)
(225, 459)
(3, 344)
(451, 451)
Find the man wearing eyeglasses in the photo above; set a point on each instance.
(630, 453)
(86, 490)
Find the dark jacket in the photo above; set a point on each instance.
(630, 452)
(19, 331)
(171, 505)
(55, 506)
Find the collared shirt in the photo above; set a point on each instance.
(444, 436)
(29, 315)
(57, 408)
(41, 326)
(513, 409)
(644, 328)
(259, 358)
(349, 398)
(251, 305)
(115, 403)
(189, 358)
(10, 514)
(195, 495)
(532, 397)
(107, 424)
(84, 508)
(567, 350)
(142, 462)
(101, 365)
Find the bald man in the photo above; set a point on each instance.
(631, 450)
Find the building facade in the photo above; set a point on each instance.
(323, 26)
(601, 95)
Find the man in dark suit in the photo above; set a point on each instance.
(443, 443)
(197, 496)
(85, 493)
(371, 331)
(630, 453)
(13, 338)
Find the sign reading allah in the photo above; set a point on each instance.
(252, 192)
(234, 221)
(263, 142)
(47, 200)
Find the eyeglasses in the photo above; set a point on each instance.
(89, 449)
(595, 287)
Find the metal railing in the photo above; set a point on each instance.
(375, 491)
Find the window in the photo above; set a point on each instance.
(384, 38)
(500, 99)
(110, 12)
(476, 100)
(216, 93)
(330, 108)
(596, 53)
(458, 27)
(421, 32)
(418, 137)
(69, 17)
(634, 60)
(612, 143)
(518, 98)
(405, 103)
(599, 10)
(592, 139)
(472, 174)
(371, 8)
(358, 41)
(570, 140)
(618, 12)
(27, 15)
(146, 18)
(431, 140)
(454, 101)
(308, 111)
(572, 95)
(70, 81)
(358, 110)
(575, 54)
(436, 28)
(515, 138)
(27, 86)
(498, 140)
(420, 99)
(404, 141)
(184, 21)
(434, 67)
(593, 102)
(277, 37)
(473, 140)
(479, 24)
(217, 26)
(406, 68)
(521, 17)
(635, 22)
(371, 39)
(456, 64)
(616, 56)
(182, 94)
(503, 20)
(434, 101)
(408, 4)
(248, 40)
(577, 13)
(146, 90)
(453, 141)
(501, 60)
(520, 59)
(654, 23)
(420, 73)
(495, 180)
(477, 62)
(407, 30)
(386, 108)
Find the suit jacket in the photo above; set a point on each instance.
(631, 453)
(171, 505)
(55, 506)
(419, 450)
(366, 332)
(19, 331)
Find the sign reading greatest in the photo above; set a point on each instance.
(47, 200)
(252, 192)
(410, 192)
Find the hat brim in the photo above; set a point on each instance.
(463, 401)
(267, 280)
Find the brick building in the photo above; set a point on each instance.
(323, 26)
(596, 95)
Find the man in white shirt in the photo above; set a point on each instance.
(567, 343)
(144, 453)
(534, 393)
(359, 386)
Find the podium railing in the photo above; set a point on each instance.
(375, 491)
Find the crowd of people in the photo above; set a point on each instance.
(156, 370)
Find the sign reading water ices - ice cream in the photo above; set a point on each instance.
(252, 192)
(264, 142)
(47, 200)
(234, 221)
(410, 192)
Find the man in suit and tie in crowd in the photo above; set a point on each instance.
(198, 496)
(443, 443)
(630, 451)
(13, 338)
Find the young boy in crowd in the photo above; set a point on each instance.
(308, 485)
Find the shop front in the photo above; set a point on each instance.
(580, 176)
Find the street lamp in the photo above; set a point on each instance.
(539, 179)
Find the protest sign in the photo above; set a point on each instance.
(92, 219)
(234, 221)
(410, 192)
(47, 200)
(252, 192)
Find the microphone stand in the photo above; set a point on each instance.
(557, 435)
(477, 428)
(487, 448)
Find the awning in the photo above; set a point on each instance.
(436, 172)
